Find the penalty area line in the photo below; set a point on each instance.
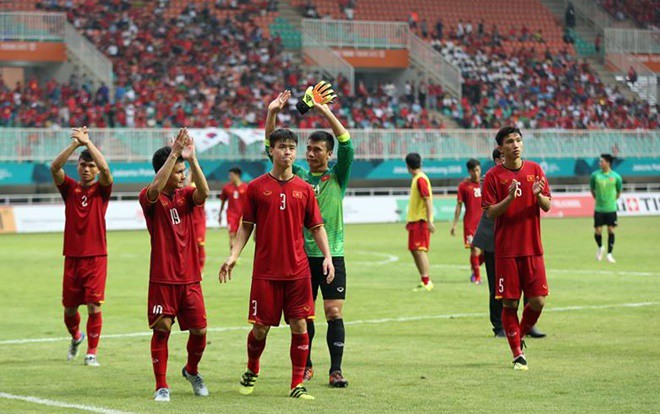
(355, 322)
(60, 404)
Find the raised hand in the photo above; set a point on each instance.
(316, 96)
(179, 143)
(80, 136)
(278, 104)
(188, 151)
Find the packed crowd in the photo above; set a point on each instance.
(645, 13)
(552, 91)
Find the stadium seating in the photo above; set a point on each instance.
(642, 12)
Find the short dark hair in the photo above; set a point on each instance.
(236, 171)
(607, 157)
(326, 137)
(472, 164)
(86, 156)
(414, 160)
(282, 134)
(504, 131)
(497, 154)
(160, 157)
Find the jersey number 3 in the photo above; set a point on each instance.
(283, 201)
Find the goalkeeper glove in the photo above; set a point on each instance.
(320, 94)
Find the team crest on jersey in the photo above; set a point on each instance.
(180, 201)
(531, 178)
(325, 178)
(504, 181)
(267, 193)
(297, 194)
(164, 203)
(77, 191)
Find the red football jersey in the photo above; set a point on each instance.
(174, 252)
(469, 193)
(234, 194)
(280, 209)
(518, 230)
(85, 207)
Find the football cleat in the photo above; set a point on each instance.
(247, 382)
(299, 391)
(520, 363)
(197, 382)
(337, 380)
(90, 361)
(610, 258)
(309, 374)
(428, 286)
(73, 347)
(535, 333)
(599, 253)
(162, 395)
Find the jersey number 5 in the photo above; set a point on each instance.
(174, 214)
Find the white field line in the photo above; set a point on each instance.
(60, 404)
(356, 322)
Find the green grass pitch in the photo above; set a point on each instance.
(405, 352)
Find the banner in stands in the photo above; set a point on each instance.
(127, 215)
(12, 173)
(32, 52)
(375, 58)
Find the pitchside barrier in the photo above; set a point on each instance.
(127, 215)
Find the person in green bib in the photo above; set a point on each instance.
(329, 183)
(605, 188)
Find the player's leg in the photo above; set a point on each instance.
(418, 243)
(334, 295)
(598, 235)
(475, 264)
(95, 271)
(317, 279)
(535, 286)
(611, 225)
(162, 306)
(192, 317)
(495, 306)
(508, 289)
(72, 297)
(298, 306)
(421, 258)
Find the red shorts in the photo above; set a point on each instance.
(419, 236)
(233, 222)
(468, 235)
(270, 298)
(183, 302)
(84, 280)
(520, 274)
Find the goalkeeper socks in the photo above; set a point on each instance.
(511, 327)
(94, 324)
(335, 338)
(298, 352)
(159, 357)
(73, 325)
(196, 345)
(474, 264)
(254, 348)
(311, 330)
(529, 319)
(610, 242)
(599, 239)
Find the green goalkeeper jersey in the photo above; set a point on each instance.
(330, 188)
(605, 186)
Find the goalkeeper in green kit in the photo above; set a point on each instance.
(329, 185)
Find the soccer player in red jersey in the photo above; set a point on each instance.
(174, 274)
(513, 194)
(469, 193)
(85, 249)
(280, 204)
(233, 194)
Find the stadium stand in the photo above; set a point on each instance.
(645, 13)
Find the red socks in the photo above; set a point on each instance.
(195, 347)
(425, 279)
(529, 319)
(512, 329)
(73, 325)
(299, 352)
(159, 357)
(482, 259)
(255, 348)
(94, 323)
(474, 264)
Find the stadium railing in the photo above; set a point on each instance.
(633, 40)
(132, 145)
(88, 55)
(436, 66)
(32, 27)
(592, 14)
(327, 60)
(647, 80)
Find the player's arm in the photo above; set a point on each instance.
(242, 237)
(321, 238)
(495, 210)
(82, 135)
(592, 185)
(429, 213)
(160, 180)
(457, 215)
(346, 151)
(274, 108)
(222, 208)
(542, 200)
(56, 166)
(619, 186)
(201, 186)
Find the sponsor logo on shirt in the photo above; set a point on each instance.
(297, 194)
